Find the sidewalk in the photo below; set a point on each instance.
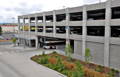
(28, 68)
(21, 63)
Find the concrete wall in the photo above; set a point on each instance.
(61, 47)
(97, 52)
(115, 56)
(77, 49)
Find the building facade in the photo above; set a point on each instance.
(95, 26)
(9, 28)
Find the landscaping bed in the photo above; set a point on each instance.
(73, 67)
(5, 40)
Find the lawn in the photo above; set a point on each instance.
(73, 67)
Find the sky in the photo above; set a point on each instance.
(11, 9)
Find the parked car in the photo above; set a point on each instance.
(49, 47)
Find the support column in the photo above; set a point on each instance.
(24, 31)
(36, 32)
(84, 32)
(19, 30)
(29, 31)
(36, 42)
(29, 24)
(67, 26)
(36, 24)
(54, 23)
(44, 23)
(23, 24)
(107, 33)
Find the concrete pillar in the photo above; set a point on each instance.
(84, 31)
(36, 24)
(67, 23)
(44, 23)
(29, 21)
(29, 43)
(19, 25)
(36, 42)
(67, 26)
(23, 32)
(107, 33)
(19, 30)
(54, 23)
(23, 24)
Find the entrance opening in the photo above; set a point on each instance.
(72, 44)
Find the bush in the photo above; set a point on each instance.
(88, 56)
(77, 74)
(92, 73)
(56, 64)
(68, 51)
(43, 60)
(68, 65)
(52, 60)
(14, 41)
(54, 52)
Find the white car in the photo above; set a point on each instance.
(49, 47)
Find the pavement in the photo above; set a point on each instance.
(15, 62)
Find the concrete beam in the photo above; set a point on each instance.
(36, 42)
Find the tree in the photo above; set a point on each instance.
(14, 41)
(68, 51)
(0, 30)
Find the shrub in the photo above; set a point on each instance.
(59, 67)
(43, 60)
(14, 41)
(92, 73)
(54, 52)
(68, 51)
(68, 65)
(88, 56)
(113, 72)
(79, 72)
(52, 60)
(99, 68)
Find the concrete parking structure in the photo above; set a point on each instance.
(94, 26)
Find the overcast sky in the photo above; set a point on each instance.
(10, 9)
